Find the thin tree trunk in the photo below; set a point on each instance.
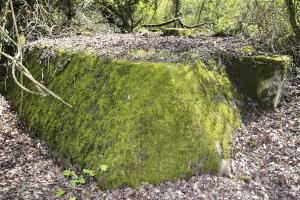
(200, 10)
(293, 18)
(71, 10)
(177, 9)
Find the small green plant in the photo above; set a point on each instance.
(68, 173)
(103, 168)
(248, 49)
(89, 172)
(60, 192)
(76, 180)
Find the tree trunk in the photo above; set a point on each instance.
(177, 9)
(293, 18)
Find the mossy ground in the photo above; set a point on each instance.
(148, 122)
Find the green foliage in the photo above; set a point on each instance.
(125, 14)
(69, 173)
(89, 172)
(103, 168)
(75, 179)
(267, 19)
(60, 192)
(247, 49)
(75, 182)
(245, 178)
(264, 19)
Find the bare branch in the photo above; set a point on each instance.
(24, 70)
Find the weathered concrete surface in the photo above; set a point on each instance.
(260, 77)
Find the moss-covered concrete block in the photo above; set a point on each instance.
(261, 77)
(175, 31)
(148, 122)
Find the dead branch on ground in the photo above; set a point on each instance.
(176, 20)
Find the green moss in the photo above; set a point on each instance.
(85, 33)
(245, 178)
(246, 49)
(158, 55)
(150, 54)
(148, 122)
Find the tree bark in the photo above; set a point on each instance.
(70, 10)
(293, 17)
(177, 11)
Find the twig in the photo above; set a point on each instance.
(17, 64)
(161, 24)
(8, 37)
(19, 55)
(24, 70)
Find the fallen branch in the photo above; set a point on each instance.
(176, 20)
(198, 25)
(24, 70)
(161, 24)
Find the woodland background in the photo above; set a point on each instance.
(275, 21)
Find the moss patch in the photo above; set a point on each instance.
(175, 31)
(164, 55)
(148, 122)
(246, 49)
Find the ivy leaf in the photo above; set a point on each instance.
(92, 173)
(81, 180)
(74, 183)
(73, 174)
(67, 173)
(89, 172)
(73, 198)
(103, 168)
(60, 192)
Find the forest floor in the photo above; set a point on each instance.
(152, 47)
(265, 163)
